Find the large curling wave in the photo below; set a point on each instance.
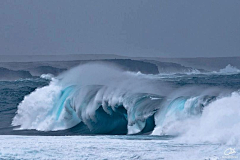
(103, 99)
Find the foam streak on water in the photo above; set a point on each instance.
(105, 147)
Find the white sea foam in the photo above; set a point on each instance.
(47, 76)
(218, 123)
(229, 69)
(106, 147)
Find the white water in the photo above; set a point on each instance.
(219, 122)
(107, 147)
(47, 76)
(229, 69)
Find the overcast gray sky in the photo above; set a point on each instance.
(163, 28)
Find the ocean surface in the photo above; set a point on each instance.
(97, 111)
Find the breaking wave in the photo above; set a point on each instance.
(102, 99)
(229, 69)
(219, 122)
(47, 76)
(202, 119)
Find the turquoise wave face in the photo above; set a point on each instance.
(182, 108)
(63, 100)
(126, 112)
